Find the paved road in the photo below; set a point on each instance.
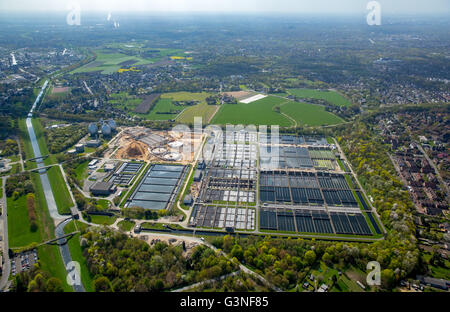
(4, 219)
(65, 252)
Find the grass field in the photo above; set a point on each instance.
(51, 261)
(108, 63)
(332, 97)
(256, 113)
(310, 115)
(125, 225)
(81, 172)
(19, 225)
(164, 105)
(103, 219)
(200, 110)
(124, 101)
(59, 187)
(185, 114)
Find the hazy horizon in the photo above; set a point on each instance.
(343, 7)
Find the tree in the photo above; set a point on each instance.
(387, 278)
(310, 257)
(327, 258)
(237, 252)
(102, 284)
(54, 285)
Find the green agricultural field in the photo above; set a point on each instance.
(124, 101)
(164, 105)
(309, 114)
(62, 196)
(187, 113)
(108, 63)
(332, 97)
(200, 110)
(256, 113)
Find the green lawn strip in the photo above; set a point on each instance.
(126, 226)
(39, 132)
(372, 229)
(103, 220)
(77, 254)
(62, 196)
(81, 172)
(330, 140)
(19, 231)
(51, 261)
(341, 165)
(187, 190)
(29, 154)
(153, 226)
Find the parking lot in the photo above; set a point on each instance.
(23, 262)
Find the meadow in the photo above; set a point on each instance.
(332, 97)
(111, 59)
(256, 113)
(309, 114)
(186, 113)
(108, 63)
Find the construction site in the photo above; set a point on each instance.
(139, 143)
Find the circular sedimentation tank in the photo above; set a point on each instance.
(173, 157)
(159, 151)
(176, 144)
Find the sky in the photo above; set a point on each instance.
(233, 6)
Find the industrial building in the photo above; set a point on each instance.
(103, 189)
